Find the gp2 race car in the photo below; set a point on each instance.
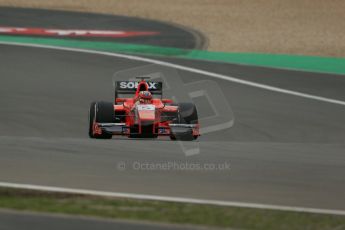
(143, 115)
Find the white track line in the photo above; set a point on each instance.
(178, 199)
(185, 68)
(169, 199)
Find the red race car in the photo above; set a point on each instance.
(143, 115)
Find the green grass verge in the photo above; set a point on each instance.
(293, 62)
(168, 212)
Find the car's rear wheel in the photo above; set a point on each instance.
(101, 112)
(187, 114)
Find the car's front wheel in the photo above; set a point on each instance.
(187, 114)
(101, 112)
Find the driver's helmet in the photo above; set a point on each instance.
(145, 97)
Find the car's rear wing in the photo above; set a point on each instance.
(130, 87)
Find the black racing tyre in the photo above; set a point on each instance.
(101, 112)
(187, 114)
(91, 118)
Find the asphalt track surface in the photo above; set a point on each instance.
(283, 149)
(25, 220)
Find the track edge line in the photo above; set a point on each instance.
(169, 198)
